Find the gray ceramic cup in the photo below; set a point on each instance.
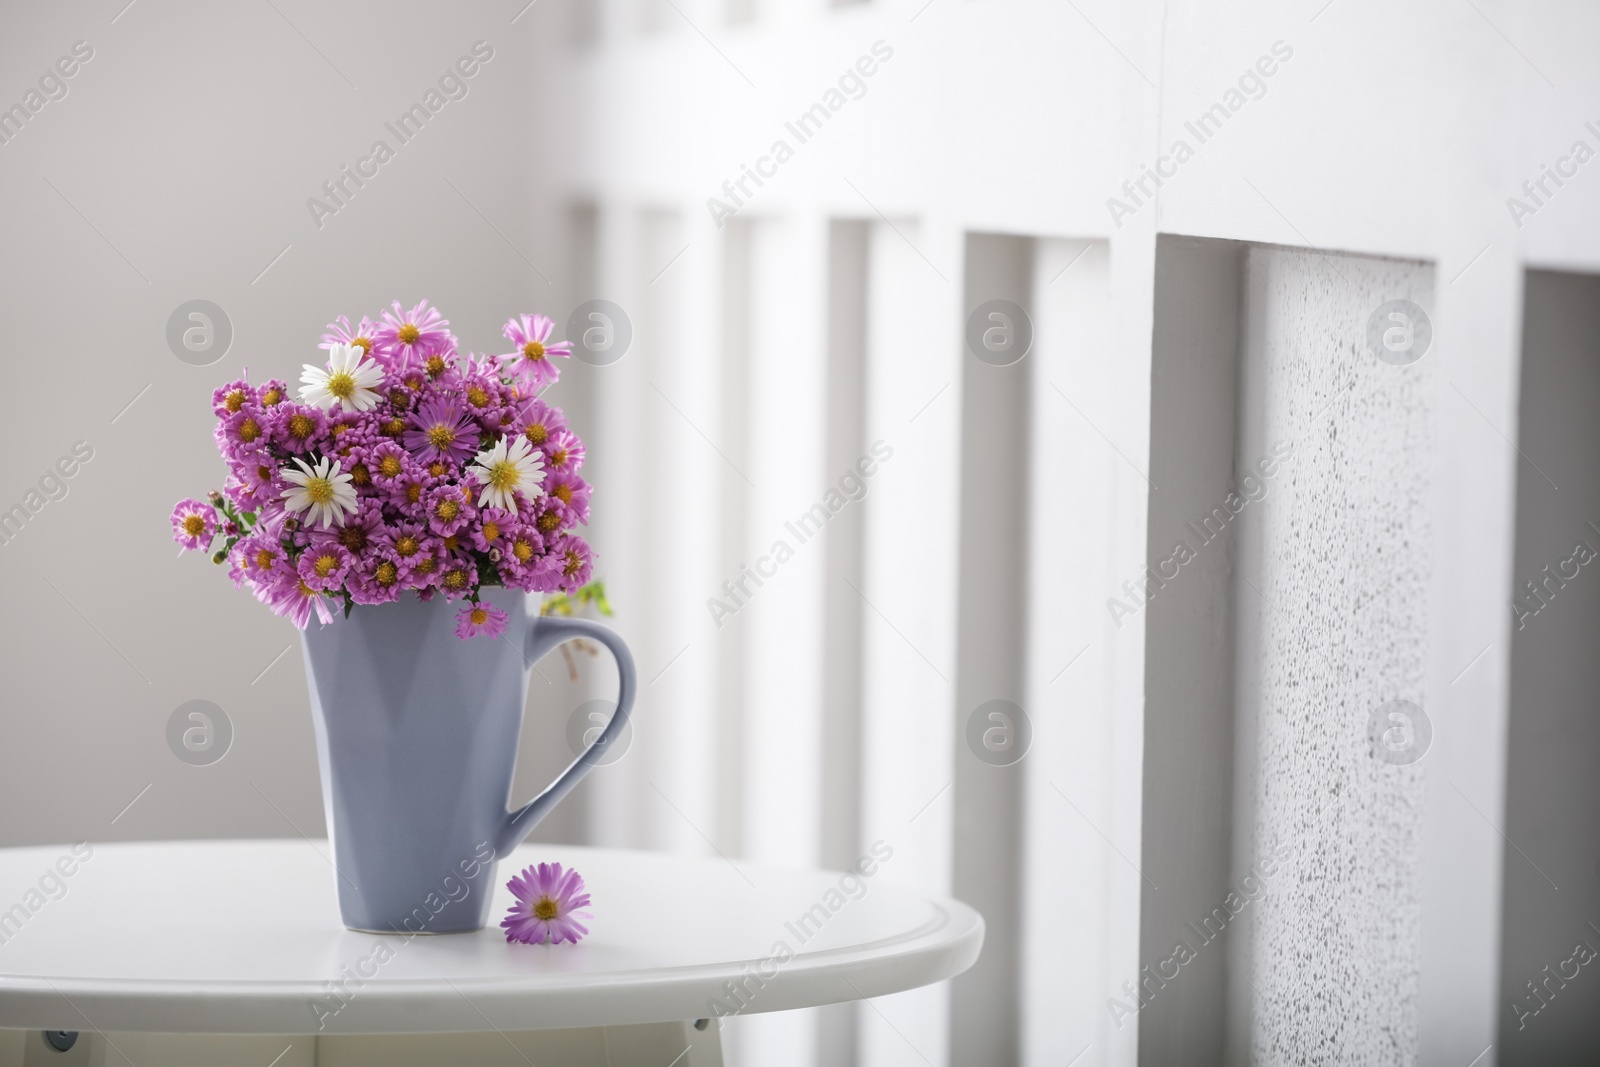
(417, 738)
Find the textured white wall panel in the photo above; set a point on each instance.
(1334, 569)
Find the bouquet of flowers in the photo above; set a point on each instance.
(403, 465)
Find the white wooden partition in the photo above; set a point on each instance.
(1004, 149)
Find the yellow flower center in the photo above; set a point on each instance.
(408, 334)
(270, 397)
(491, 531)
(325, 564)
(360, 475)
(437, 468)
(441, 436)
(533, 350)
(306, 590)
(263, 472)
(341, 384)
(393, 427)
(407, 546)
(301, 426)
(479, 616)
(452, 542)
(426, 564)
(234, 400)
(389, 466)
(353, 537)
(413, 492)
(562, 493)
(338, 428)
(559, 458)
(456, 579)
(363, 343)
(573, 563)
(435, 366)
(537, 433)
(387, 573)
(265, 558)
(477, 396)
(319, 490)
(522, 550)
(548, 521)
(194, 525)
(545, 909)
(249, 430)
(505, 475)
(447, 509)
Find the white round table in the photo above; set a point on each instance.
(244, 938)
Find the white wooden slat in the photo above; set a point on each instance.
(781, 595)
(908, 663)
(1069, 869)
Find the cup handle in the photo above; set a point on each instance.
(546, 632)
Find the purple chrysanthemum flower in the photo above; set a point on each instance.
(530, 361)
(409, 493)
(489, 532)
(571, 493)
(521, 549)
(289, 595)
(258, 556)
(537, 421)
(299, 428)
(406, 543)
(481, 618)
(361, 531)
(340, 332)
(194, 523)
(247, 428)
(570, 562)
(378, 580)
(448, 509)
(405, 338)
(423, 568)
(550, 901)
(482, 395)
(546, 515)
(387, 462)
(233, 398)
(323, 566)
(458, 577)
(273, 392)
(563, 451)
(441, 430)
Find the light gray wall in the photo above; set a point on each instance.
(178, 167)
(1552, 817)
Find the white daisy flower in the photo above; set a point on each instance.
(323, 492)
(505, 474)
(350, 379)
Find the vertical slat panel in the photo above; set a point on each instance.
(615, 467)
(1334, 570)
(986, 797)
(843, 612)
(733, 526)
(783, 593)
(682, 400)
(909, 638)
(1070, 870)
